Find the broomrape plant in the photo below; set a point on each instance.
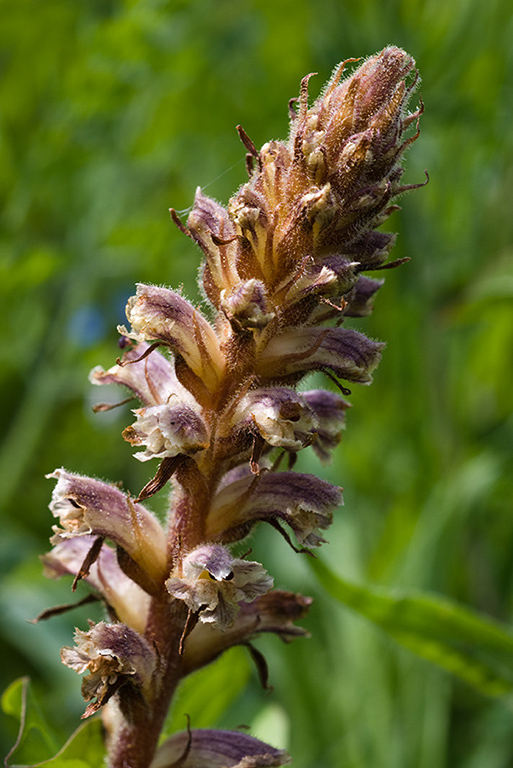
(221, 415)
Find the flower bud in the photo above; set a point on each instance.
(212, 228)
(247, 305)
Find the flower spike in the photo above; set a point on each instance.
(285, 264)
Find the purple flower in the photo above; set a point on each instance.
(213, 583)
(85, 506)
(159, 314)
(217, 749)
(304, 502)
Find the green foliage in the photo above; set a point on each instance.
(206, 695)
(37, 744)
(114, 111)
(469, 645)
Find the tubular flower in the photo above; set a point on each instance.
(113, 655)
(159, 314)
(151, 377)
(205, 748)
(84, 506)
(129, 603)
(214, 583)
(302, 501)
(218, 406)
(167, 431)
(275, 612)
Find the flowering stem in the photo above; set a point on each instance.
(283, 270)
(134, 744)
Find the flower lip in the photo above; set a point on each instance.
(213, 583)
(167, 431)
(280, 415)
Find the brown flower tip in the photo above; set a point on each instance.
(303, 227)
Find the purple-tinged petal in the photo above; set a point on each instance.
(85, 506)
(159, 314)
(304, 502)
(212, 228)
(359, 299)
(330, 416)
(167, 431)
(129, 602)
(213, 583)
(347, 353)
(247, 305)
(280, 415)
(112, 654)
(204, 748)
(275, 612)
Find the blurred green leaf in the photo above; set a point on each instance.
(36, 738)
(208, 693)
(472, 646)
(84, 748)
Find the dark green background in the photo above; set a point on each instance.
(111, 112)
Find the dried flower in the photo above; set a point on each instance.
(113, 655)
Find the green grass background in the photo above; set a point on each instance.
(111, 112)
